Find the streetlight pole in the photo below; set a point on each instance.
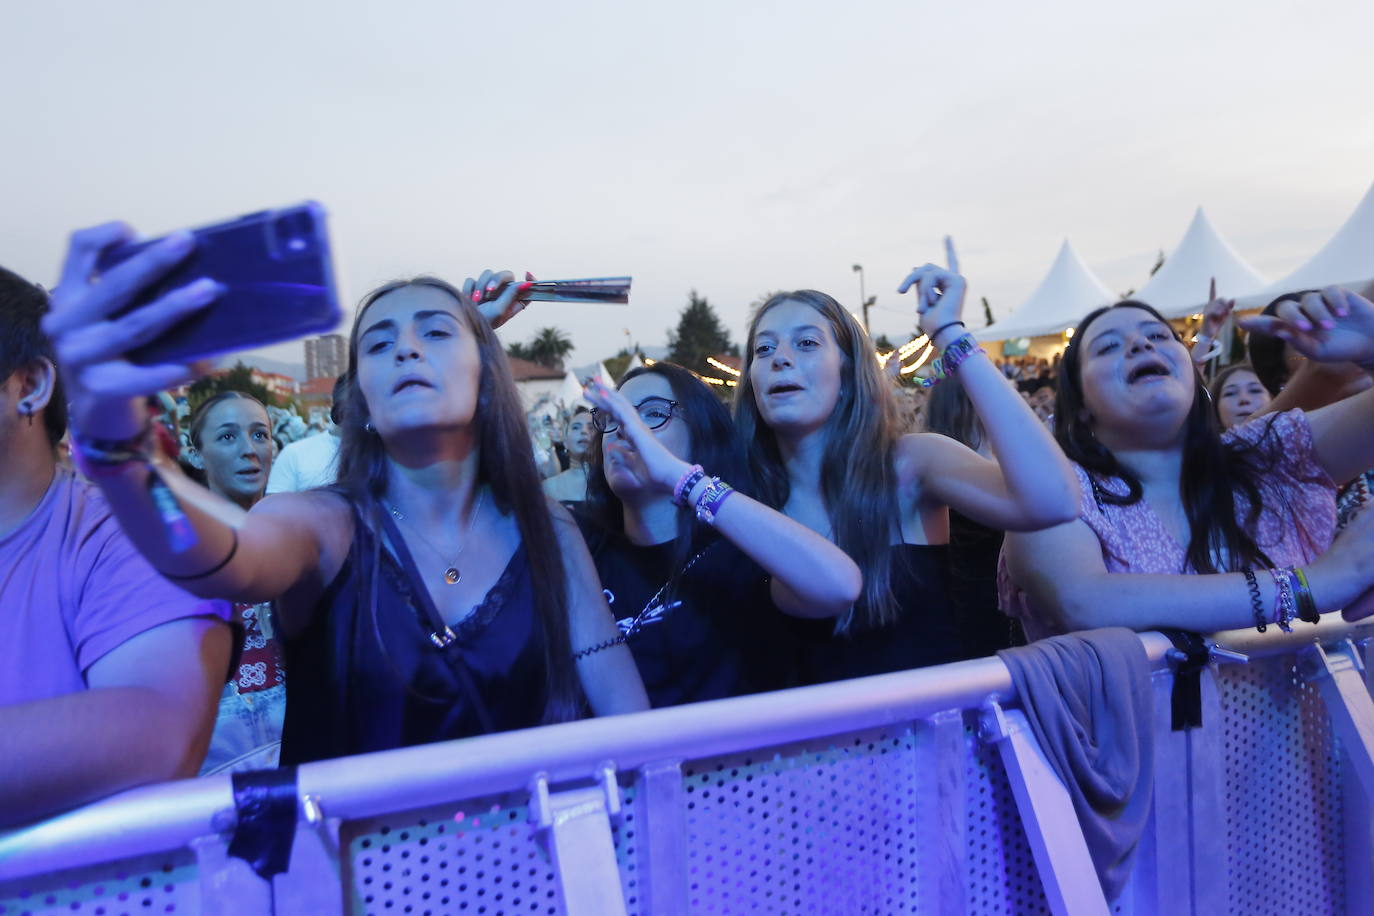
(863, 302)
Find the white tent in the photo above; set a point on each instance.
(1069, 291)
(1180, 287)
(570, 392)
(1346, 260)
(635, 363)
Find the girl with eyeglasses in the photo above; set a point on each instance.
(695, 570)
(816, 415)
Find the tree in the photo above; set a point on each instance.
(882, 343)
(699, 334)
(239, 378)
(548, 347)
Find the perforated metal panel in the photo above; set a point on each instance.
(815, 827)
(1000, 874)
(479, 856)
(132, 887)
(1284, 839)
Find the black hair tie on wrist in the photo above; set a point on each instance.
(233, 549)
(940, 330)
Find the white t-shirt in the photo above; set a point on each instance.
(311, 462)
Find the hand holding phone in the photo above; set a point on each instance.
(130, 318)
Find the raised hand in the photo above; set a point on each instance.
(1214, 313)
(1334, 325)
(496, 295)
(939, 295)
(662, 466)
(91, 340)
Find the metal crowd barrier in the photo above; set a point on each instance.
(915, 792)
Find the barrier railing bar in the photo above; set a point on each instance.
(1052, 830)
(661, 803)
(168, 816)
(578, 825)
(941, 810)
(1339, 675)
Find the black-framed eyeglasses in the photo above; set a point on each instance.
(655, 412)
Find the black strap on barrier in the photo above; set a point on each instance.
(1186, 700)
(265, 801)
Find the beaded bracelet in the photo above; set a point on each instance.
(711, 499)
(1256, 602)
(1307, 605)
(685, 485)
(1286, 608)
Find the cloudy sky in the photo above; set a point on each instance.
(728, 147)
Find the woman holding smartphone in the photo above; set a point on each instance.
(434, 593)
(815, 413)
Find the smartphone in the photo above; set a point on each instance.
(278, 278)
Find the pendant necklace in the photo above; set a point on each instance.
(452, 575)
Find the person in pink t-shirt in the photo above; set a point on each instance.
(1216, 532)
(109, 674)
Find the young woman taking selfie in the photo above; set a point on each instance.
(435, 592)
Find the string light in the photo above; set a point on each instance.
(721, 366)
(907, 370)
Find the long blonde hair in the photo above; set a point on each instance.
(858, 482)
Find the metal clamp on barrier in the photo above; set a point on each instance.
(1191, 655)
(579, 825)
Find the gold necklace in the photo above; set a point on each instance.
(452, 575)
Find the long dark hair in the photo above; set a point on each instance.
(506, 465)
(1269, 355)
(1214, 473)
(714, 446)
(858, 481)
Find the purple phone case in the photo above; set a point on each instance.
(278, 278)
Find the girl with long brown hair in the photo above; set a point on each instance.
(816, 416)
(1217, 529)
(435, 592)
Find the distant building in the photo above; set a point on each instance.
(284, 387)
(315, 397)
(534, 381)
(325, 356)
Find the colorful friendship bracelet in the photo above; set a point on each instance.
(711, 499)
(948, 362)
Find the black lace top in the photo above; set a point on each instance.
(365, 675)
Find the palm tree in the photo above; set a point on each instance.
(548, 347)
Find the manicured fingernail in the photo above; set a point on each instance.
(179, 242)
(1328, 324)
(491, 286)
(204, 290)
(476, 295)
(523, 288)
(528, 275)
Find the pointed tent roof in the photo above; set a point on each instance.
(1180, 286)
(635, 362)
(1346, 260)
(1069, 291)
(570, 392)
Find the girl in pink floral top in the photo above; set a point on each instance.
(1167, 498)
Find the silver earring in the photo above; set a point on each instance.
(26, 410)
(367, 426)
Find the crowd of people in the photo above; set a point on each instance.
(420, 576)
